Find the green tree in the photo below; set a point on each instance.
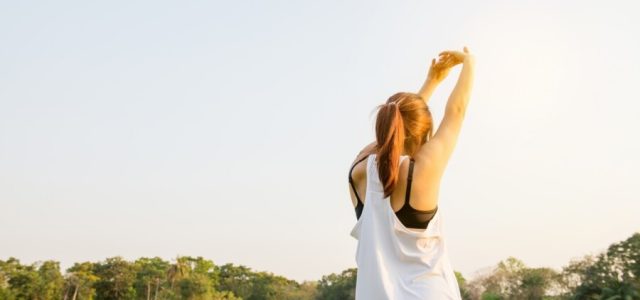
(116, 281)
(338, 286)
(307, 290)
(7, 269)
(535, 283)
(236, 279)
(267, 286)
(512, 279)
(198, 283)
(613, 274)
(462, 284)
(79, 282)
(151, 274)
(50, 281)
(193, 278)
(23, 280)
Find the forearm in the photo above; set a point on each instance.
(461, 93)
(427, 89)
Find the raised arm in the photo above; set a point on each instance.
(439, 149)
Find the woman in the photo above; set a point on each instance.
(401, 251)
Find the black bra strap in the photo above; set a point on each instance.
(409, 180)
(351, 179)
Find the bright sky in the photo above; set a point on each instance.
(226, 129)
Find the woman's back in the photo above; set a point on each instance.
(424, 190)
(394, 261)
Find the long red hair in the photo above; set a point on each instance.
(403, 124)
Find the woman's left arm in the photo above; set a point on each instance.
(427, 89)
(438, 71)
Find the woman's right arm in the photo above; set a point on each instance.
(438, 151)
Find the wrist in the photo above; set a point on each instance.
(432, 82)
(427, 89)
(469, 59)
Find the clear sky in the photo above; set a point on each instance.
(225, 129)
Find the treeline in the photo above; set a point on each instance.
(612, 274)
(146, 278)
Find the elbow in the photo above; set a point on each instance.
(461, 109)
(457, 110)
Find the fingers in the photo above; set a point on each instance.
(444, 56)
(447, 62)
(451, 58)
(451, 52)
(447, 57)
(455, 55)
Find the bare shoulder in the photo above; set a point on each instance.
(366, 151)
(359, 169)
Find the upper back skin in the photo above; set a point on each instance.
(424, 189)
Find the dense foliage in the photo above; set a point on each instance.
(146, 278)
(613, 274)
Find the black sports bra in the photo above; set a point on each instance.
(409, 216)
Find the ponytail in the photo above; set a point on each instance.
(390, 140)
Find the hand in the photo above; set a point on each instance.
(447, 60)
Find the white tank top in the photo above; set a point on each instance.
(395, 262)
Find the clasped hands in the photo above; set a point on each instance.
(439, 69)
